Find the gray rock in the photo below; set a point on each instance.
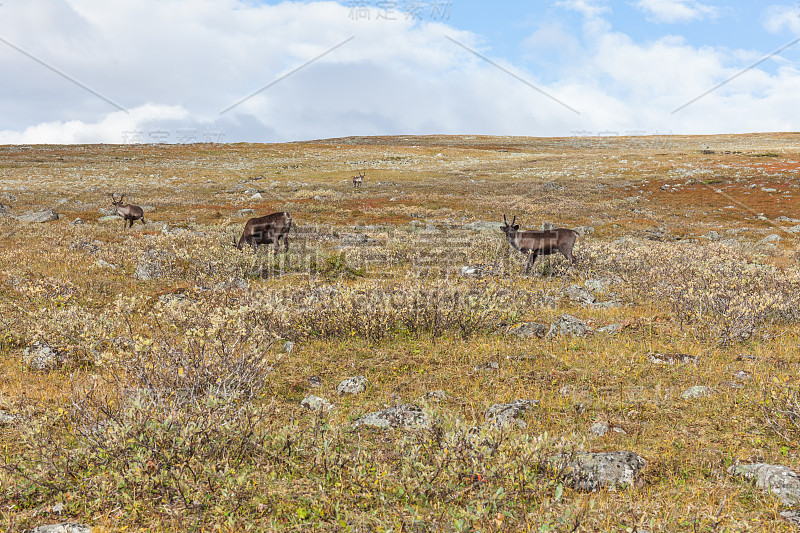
(41, 356)
(576, 293)
(315, 381)
(568, 325)
(107, 211)
(173, 298)
(611, 329)
(698, 391)
(769, 239)
(671, 358)
(491, 365)
(88, 247)
(794, 229)
(6, 418)
(548, 226)
(66, 527)
(152, 265)
(45, 215)
(779, 480)
(101, 263)
(288, 346)
(529, 330)
(435, 395)
(599, 284)
(474, 271)
(592, 471)
(610, 304)
(509, 414)
(406, 416)
(481, 225)
(584, 230)
(110, 218)
(244, 213)
(315, 403)
(78, 221)
(600, 429)
(354, 385)
(712, 235)
(4, 209)
(793, 517)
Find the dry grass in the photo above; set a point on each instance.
(179, 410)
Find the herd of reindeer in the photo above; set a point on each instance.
(275, 227)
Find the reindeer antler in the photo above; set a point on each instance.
(505, 221)
(515, 219)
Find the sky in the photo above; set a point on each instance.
(181, 71)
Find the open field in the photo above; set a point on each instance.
(170, 399)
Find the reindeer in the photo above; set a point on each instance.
(535, 243)
(128, 212)
(267, 229)
(358, 179)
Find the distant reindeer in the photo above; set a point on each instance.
(128, 212)
(536, 243)
(358, 179)
(267, 229)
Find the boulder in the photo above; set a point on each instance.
(576, 293)
(481, 225)
(769, 240)
(568, 325)
(529, 330)
(315, 403)
(6, 418)
(592, 471)
(698, 391)
(509, 414)
(406, 416)
(354, 385)
(66, 527)
(41, 356)
(779, 480)
(45, 215)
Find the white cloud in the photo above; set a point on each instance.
(779, 18)
(672, 11)
(175, 65)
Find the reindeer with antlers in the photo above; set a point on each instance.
(358, 179)
(536, 243)
(128, 212)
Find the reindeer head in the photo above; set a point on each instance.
(509, 229)
(115, 202)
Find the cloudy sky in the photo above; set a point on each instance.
(114, 71)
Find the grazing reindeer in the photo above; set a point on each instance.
(535, 243)
(128, 212)
(267, 229)
(358, 179)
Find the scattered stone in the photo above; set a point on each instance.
(66, 527)
(41, 356)
(779, 480)
(6, 418)
(256, 196)
(611, 329)
(88, 247)
(584, 230)
(435, 395)
(354, 385)
(671, 358)
(475, 271)
(481, 225)
(592, 471)
(576, 293)
(288, 346)
(698, 391)
(741, 375)
(491, 365)
(794, 229)
(101, 263)
(4, 209)
(712, 236)
(600, 429)
(315, 403)
(173, 298)
(509, 414)
(793, 517)
(548, 226)
(77, 221)
(151, 266)
(244, 213)
(315, 381)
(406, 416)
(110, 218)
(529, 330)
(599, 284)
(45, 215)
(568, 325)
(107, 211)
(769, 239)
